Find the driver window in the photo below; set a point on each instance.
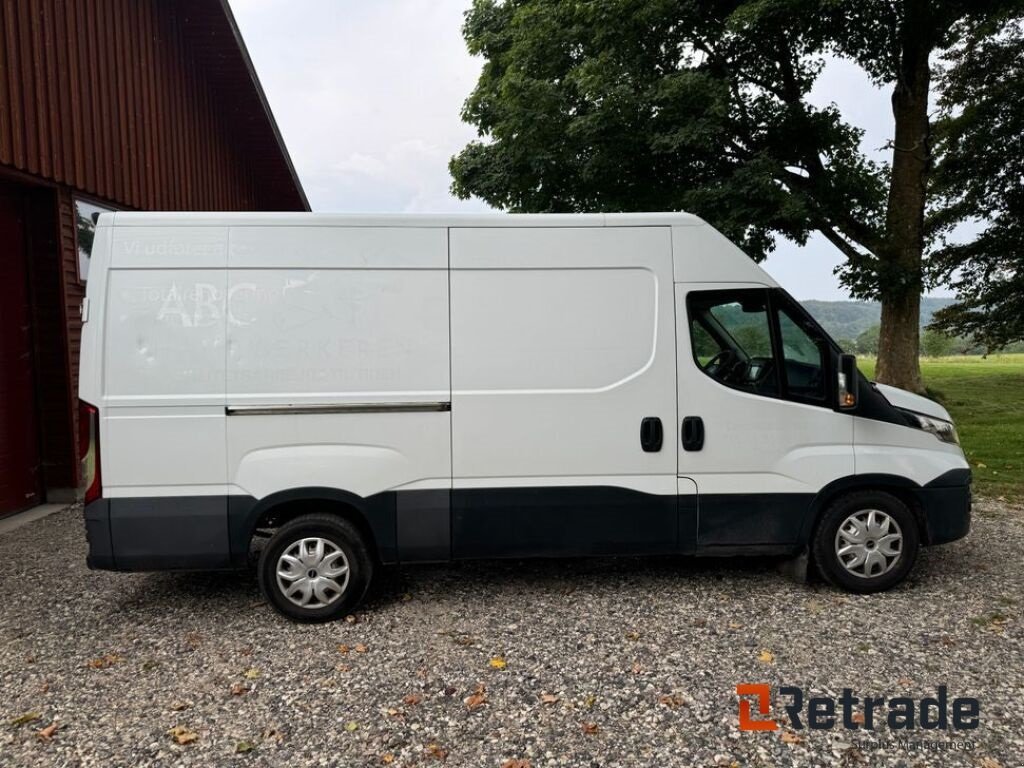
(731, 337)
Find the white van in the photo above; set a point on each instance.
(340, 392)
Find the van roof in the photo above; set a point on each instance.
(251, 219)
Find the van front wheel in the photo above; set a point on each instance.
(867, 541)
(315, 568)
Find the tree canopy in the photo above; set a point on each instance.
(981, 177)
(702, 105)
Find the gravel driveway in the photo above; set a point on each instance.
(582, 663)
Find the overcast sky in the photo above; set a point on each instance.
(368, 94)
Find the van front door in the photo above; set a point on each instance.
(757, 432)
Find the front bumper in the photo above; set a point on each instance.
(946, 502)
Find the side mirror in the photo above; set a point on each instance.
(848, 383)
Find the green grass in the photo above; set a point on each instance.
(986, 399)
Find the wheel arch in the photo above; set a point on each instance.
(373, 516)
(903, 488)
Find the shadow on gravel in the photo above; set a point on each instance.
(566, 575)
(212, 591)
(235, 591)
(232, 590)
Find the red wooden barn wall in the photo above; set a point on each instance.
(146, 104)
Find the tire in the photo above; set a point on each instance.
(869, 519)
(327, 582)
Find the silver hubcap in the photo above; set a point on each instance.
(312, 573)
(869, 543)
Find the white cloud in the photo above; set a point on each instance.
(367, 95)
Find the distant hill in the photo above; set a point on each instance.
(848, 319)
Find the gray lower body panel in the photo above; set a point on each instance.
(159, 534)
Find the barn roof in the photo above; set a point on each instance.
(220, 50)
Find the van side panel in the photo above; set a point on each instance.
(338, 369)
(162, 404)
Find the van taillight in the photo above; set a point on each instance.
(89, 450)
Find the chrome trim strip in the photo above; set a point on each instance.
(276, 410)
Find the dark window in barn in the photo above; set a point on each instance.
(86, 213)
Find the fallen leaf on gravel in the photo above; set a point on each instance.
(237, 689)
(548, 698)
(590, 701)
(351, 725)
(180, 706)
(767, 657)
(990, 762)
(351, 619)
(475, 700)
(28, 717)
(343, 668)
(735, 625)
(436, 751)
(252, 674)
(412, 699)
(590, 728)
(498, 663)
(633, 635)
(272, 734)
(392, 712)
(672, 701)
(244, 746)
(789, 737)
(516, 763)
(450, 690)
(45, 687)
(103, 662)
(182, 735)
(360, 648)
(858, 718)
(997, 622)
(905, 682)
(47, 733)
(343, 648)
(387, 758)
(637, 668)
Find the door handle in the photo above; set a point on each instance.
(693, 433)
(651, 434)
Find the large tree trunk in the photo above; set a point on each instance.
(900, 275)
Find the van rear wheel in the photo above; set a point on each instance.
(867, 541)
(315, 568)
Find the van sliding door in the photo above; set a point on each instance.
(563, 391)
